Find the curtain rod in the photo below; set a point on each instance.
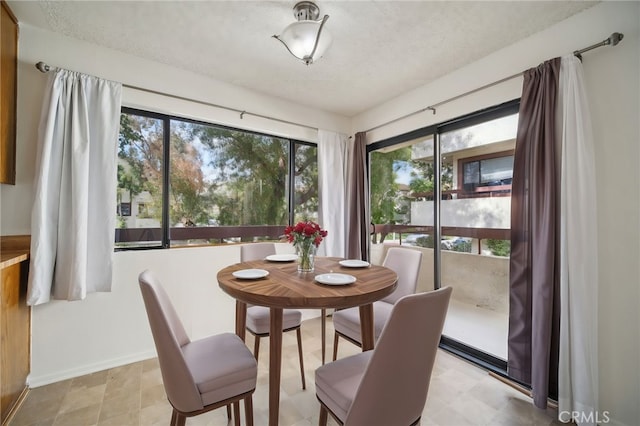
(612, 40)
(43, 67)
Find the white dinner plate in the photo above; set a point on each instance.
(250, 274)
(281, 257)
(335, 279)
(354, 263)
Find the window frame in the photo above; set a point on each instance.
(480, 189)
(165, 234)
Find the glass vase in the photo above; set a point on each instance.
(306, 257)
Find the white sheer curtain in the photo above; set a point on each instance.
(333, 163)
(578, 363)
(73, 216)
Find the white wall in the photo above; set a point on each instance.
(613, 82)
(109, 329)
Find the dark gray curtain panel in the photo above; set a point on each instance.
(535, 234)
(358, 211)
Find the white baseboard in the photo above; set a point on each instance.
(34, 381)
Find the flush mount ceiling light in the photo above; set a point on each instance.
(306, 39)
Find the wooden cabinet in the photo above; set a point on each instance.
(15, 324)
(8, 94)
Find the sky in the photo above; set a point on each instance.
(403, 172)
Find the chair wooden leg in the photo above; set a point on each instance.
(228, 412)
(174, 415)
(322, 421)
(236, 413)
(299, 334)
(335, 346)
(248, 410)
(256, 346)
(180, 420)
(323, 327)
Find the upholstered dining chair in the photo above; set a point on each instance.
(346, 322)
(388, 385)
(200, 375)
(259, 317)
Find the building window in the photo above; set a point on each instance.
(124, 209)
(487, 175)
(190, 182)
(144, 212)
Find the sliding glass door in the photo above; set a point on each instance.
(446, 190)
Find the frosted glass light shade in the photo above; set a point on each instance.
(300, 39)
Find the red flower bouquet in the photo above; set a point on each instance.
(306, 238)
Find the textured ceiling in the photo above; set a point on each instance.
(380, 49)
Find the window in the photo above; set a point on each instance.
(188, 182)
(144, 212)
(488, 175)
(124, 209)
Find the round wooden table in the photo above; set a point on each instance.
(285, 287)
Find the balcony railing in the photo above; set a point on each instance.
(216, 233)
(447, 231)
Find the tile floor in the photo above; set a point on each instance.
(460, 394)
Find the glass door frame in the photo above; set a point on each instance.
(476, 356)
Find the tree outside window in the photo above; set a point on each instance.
(216, 176)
